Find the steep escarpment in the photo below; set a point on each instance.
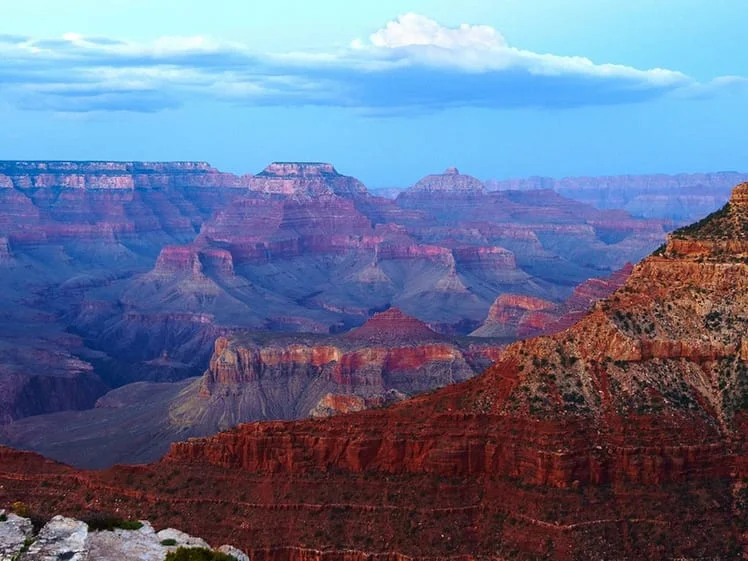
(644, 398)
(516, 316)
(623, 437)
(255, 376)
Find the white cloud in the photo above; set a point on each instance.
(413, 64)
(414, 29)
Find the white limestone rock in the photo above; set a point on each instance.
(66, 539)
(61, 539)
(14, 532)
(235, 553)
(182, 539)
(126, 545)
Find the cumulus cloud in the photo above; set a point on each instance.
(415, 29)
(413, 64)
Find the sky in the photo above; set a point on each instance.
(388, 91)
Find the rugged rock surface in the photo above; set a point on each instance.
(510, 313)
(146, 264)
(623, 437)
(515, 316)
(14, 531)
(259, 376)
(72, 540)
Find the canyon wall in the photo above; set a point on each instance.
(622, 437)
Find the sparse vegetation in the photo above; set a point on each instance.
(20, 509)
(101, 522)
(197, 554)
(710, 226)
(26, 545)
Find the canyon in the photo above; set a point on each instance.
(115, 273)
(621, 437)
(256, 376)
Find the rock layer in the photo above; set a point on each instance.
(517, 316)
(260, 376)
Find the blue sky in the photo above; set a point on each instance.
(387, 90)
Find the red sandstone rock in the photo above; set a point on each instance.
(513, 315)
(333, 404)
(393, 325)
(193, 260)
(484, 258)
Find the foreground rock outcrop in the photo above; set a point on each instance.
(623, 437)
(68, 539)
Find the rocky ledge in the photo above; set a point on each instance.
(113, 175)
(69, 539)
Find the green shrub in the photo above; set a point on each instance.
(101, 522)
(197, 554)
(168, 542)
(3, 517)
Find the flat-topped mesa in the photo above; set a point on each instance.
(449, 182)
(298, 169)
(392, 351)
(484, 257)
(721, 235)
(95, 175)
(53, 166)
(305, 179)
(393, 324)
(193, 260)
(683, 198)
